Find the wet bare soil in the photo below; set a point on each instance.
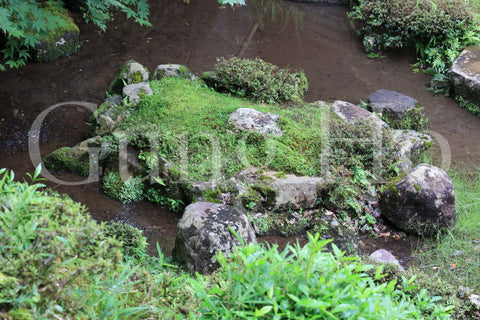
(318, 39)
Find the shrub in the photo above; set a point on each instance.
(49, 247)
(438, 29)
(259, 80)
(133, 242)
(130, 190)
(306, 283)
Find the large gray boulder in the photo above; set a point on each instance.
(248, 119)
(173, 70)
(464, 75)
(131, 72)
(203, 231)
(422, 202)
(397, 107)
(351, 113)
(276, 192)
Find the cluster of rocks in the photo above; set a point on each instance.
(420, 200)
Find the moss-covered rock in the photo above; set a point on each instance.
(77, 158)
(62, 41)
(173, 70)
(64, 160)
(132, 72)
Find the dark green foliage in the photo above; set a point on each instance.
(438, 29)
(472, 107)
(130, 190)
(172, 204)
(133, 242)
(259, 80)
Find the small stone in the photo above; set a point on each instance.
(383, 256)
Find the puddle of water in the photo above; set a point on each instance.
(317, 39)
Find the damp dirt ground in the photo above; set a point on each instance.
(315, 38)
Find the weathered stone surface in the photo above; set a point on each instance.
(110, 114)
(464, 75)
(203, 231)
(411, 143)
(277, 192)
(210, 78)
(383, 256)
(350, 113)
(422, 202)
(61, 41)
(395, 99)
(136, 91)
(248, 119)
(132, 72)
(173, 70)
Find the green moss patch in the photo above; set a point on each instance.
(187, 123)
(62, 159)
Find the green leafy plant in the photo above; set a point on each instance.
(132, 239)
(130, 190)
(175, 205)
(306, 283)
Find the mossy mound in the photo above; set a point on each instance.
(64, 159)
(62, 41)
(186, 123)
